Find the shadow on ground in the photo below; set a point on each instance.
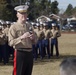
(44, 60)
(52, 59)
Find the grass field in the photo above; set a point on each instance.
(67, 48)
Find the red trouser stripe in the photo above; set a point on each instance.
(14, 69)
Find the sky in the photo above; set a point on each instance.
(64, 3)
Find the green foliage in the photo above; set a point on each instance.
(38, 8)
(69, 10)
(54, 7)
(8, 14)
(6, 11)
(74, 10)
(3, 5)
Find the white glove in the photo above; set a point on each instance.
(25, 35)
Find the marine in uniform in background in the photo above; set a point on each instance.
(33, 26)
(41, 25)
(40, 35)
(5, 31)
(48, 35)
(0, 45)
(21, 39)
(9, 49)
(54, 39)
(34, 44)
(3, 49)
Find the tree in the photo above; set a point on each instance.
(69, 10)
(6, 10)
(46, 7)
(54, 7)
(74, 11)
(38, 8)
(3, 5)
(32, 9)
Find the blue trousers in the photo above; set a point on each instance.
(40, 48)
(54, 42)
(34, 51)
(4, 54)
(45, 45)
